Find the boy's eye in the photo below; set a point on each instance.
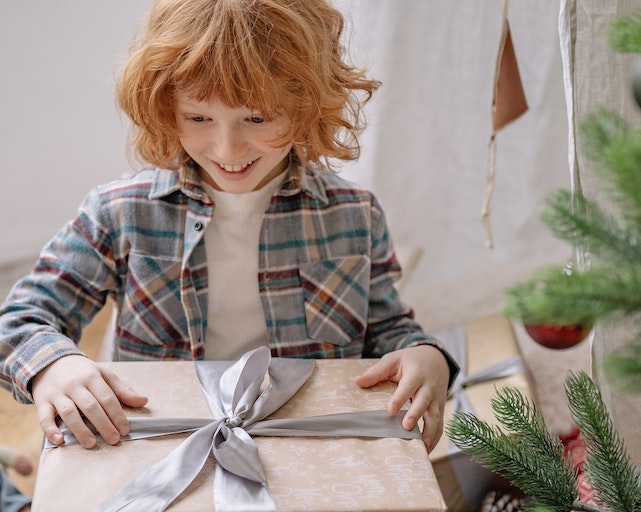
(198, 119)
(256, 119)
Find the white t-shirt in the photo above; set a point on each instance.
(235, 319)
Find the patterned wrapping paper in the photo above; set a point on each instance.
(322, 474)
(488, 340)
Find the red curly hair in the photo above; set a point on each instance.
(280, 56)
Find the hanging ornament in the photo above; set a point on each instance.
(508, 104)
(557, 336)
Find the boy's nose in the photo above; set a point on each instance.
(230, 145)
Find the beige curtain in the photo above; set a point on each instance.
(595, 76)
(425, 153)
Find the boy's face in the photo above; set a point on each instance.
(234, 146)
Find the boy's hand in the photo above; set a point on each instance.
(422, 374)
(74, 386)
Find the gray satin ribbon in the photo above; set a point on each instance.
(455, 341)
(233, 393)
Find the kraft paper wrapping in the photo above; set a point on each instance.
(488, 341)
(323, 474)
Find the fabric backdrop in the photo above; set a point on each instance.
(425, 153)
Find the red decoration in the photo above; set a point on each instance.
(558, 336)
(575, 449)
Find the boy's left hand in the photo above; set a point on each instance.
(422, 374)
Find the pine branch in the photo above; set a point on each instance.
(598, 130)
(583, 223)
(551, 295)
(608, 466)
(616, 153)
(523, 420)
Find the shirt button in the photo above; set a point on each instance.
(198, 226)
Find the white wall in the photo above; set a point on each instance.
(59, 131)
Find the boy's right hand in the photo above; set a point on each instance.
(74, 386)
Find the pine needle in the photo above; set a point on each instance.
(551, 295)
(608, 466)
(583, 223)
(616, 152)
(521, 418)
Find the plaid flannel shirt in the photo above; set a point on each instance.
(326, 275)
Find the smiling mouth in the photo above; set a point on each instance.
(234, 168)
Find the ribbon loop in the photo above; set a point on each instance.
(240, 384)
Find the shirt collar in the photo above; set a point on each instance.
(299, 180)
(186, 179)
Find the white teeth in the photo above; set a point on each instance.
(235, 168)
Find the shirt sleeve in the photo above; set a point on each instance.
(43, 316)
(391, 323)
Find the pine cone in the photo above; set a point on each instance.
(501, 502)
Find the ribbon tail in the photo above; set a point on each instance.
(504, 368)
(239, 480)
(162, 483)
(233, 493)
(236, 452)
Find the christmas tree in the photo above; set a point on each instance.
(566, 301)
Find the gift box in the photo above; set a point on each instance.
(323, 473)
(488, 353)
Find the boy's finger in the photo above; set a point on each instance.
(68, 412)
(103, 410)
(124, 393)
(385, 369)
(47, 419)
(432, 429)
(419, 403)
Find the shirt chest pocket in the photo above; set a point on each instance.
(152, 311)
(336, 296)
